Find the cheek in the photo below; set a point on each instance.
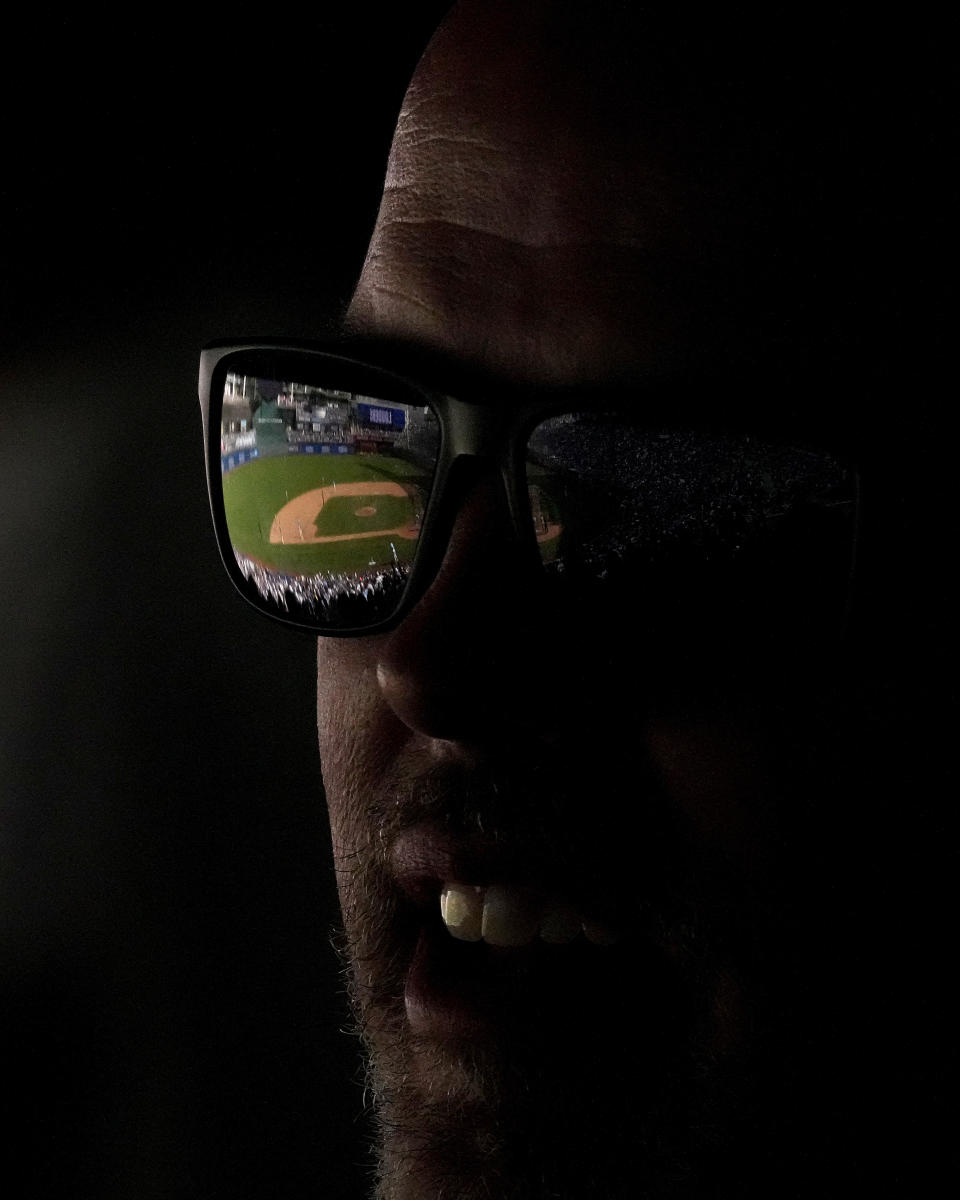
(347, 693)
(356, 731)
(716, 776)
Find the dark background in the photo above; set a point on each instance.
(170, 1006)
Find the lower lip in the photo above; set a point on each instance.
(446, 994)
(468, 990)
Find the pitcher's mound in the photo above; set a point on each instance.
(367, 510)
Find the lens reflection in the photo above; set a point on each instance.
(324, 493)
(732, 519)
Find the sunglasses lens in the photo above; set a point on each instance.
(750, 524)
(324, 493)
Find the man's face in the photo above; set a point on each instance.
(598, 795)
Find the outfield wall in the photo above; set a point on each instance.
(229, 462)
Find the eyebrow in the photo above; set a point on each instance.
(795, 401)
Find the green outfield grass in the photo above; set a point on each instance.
(257, 491)
(339, 514)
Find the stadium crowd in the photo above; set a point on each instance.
(629, 488)
(341, 598)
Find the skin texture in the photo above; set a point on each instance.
(548, 218)
(581, 243)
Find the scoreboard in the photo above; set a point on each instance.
(381, 417)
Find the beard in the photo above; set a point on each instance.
(589, 1116)
(610, 1072)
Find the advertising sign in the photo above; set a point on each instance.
(380, 416)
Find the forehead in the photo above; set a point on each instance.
(531, 228)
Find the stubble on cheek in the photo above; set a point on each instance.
(359, 740)
(355, 735)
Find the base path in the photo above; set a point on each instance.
(295, 521)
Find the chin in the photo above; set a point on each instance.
(603, 1073)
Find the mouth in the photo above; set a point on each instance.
(501, 944)
(512, 915)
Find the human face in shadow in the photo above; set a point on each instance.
(561, 852)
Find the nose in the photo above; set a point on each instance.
(462, 666)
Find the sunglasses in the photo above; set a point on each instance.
(335, 482)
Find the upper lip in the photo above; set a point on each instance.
(423, 857)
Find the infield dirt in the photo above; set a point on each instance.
(295, 522)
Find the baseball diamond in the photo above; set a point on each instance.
(305, 514)
(301, 519)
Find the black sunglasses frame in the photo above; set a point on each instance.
(494, 432)
(488, 421)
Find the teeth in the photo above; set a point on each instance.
(560, 924)
(461, 908)
(505, 915)
(510, 916)
(600, 935)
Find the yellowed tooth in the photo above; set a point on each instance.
(461, 907)
(511, 916)
(559, 924)
(600, 934)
